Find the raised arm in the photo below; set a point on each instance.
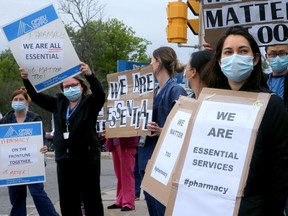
(95, 85)
(44, 101)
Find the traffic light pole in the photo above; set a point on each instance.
(190, 46)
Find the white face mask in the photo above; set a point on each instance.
(18, 106)
(72, 93)
(237, 67)
(279, 64)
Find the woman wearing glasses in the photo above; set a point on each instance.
(77, 146)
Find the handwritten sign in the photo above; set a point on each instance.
(214, 164)
(171, 146)
(20, 159)
(160, 168)
(41, 45)
(266, 20)
(130, 102)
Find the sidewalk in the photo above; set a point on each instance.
(109, 198)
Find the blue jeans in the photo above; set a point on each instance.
(18, 194)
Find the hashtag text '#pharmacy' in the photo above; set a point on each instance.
(196, 184)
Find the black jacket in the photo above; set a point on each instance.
(267, 184)
(83, 142)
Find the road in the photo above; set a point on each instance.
(108, 181)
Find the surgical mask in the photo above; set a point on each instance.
(279, 64)
(72, 93)
(237, 67)
(18, 106)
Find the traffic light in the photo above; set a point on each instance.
(193, 24)
(177, 22)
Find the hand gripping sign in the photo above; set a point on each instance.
(41, 45)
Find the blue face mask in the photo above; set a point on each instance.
(279, 64)
(18, 106)
(237, 67)
(72, 93)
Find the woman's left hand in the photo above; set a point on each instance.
(154, 128)
(85, 69)
(44, 149)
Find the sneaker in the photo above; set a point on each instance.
(126, 208)
(137, 198)
(114, 206)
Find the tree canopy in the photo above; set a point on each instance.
(98, 43)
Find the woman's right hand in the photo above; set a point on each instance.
(24, 73)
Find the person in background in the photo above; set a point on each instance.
(76, 143)
(196, 64)
(18, 193)
(165, 65)
(123, 153)
(277, 56)
(237, 66)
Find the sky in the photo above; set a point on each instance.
(147, 18)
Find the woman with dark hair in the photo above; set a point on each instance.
(18, 193)
(77, 145)
(237, 66)
(194, 68)
(165, 65)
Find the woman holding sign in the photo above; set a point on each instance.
(165, 65)
(18, 193)
(237, 66)
(77, 145)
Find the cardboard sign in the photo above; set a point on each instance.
(101, 120)
(160, 168)
(266, 20)
(20, 159)
(129, 102)
(41, 45)
(213, 167)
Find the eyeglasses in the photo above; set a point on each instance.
(274, 55)
(71, 85)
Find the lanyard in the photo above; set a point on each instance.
(69, 113)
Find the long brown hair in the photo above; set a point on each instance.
(167, 58)
(212, 73)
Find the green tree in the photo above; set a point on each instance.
(9, 79)
(101, 43)
(112, 41)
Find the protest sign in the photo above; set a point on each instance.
(41, 45)
(129, 102)
(211, 173)
(101, 120)
(159, 170)
(21, 161)
(266, 20)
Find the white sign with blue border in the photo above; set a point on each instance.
(21, 161)
(41, 45)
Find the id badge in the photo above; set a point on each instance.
(66, 135)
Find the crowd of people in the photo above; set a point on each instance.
(234, 64)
